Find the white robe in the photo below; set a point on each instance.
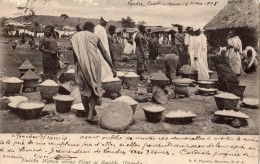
(190, 42)
(234, 56)
(200, 46)
(105, 68)
(134, 43)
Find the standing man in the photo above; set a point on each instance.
(111, 42)
(179, 42)
(49, 48)
(140, 53)
(88, 68)
(125, 38)
(101, 32)
(189, 42)
(134, 44)
(200, 54)
(153, 48)
(234, 52)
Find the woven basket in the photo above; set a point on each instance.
(227, 104)
(182, 89)
(190, 76)
(12, 88)
(112, 87)
(131, 81)
(237, 90)
(47, 92)
(63, 106)
(160, 83)
(32, 84)
(30, 113)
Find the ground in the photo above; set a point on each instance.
(203, 106)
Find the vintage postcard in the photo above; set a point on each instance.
(129, 81)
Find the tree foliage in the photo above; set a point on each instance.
(64, 16)
(128, 22)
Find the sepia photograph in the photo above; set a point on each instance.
(172, 67)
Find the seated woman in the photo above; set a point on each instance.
(224, 71)
(250, 61)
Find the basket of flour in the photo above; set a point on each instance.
(128, 100)
(27, 65)
(69, 75)
(12, 86)
(111, 84)
(30, 109)
(206, 84)
(131, 79)
(120, 75)
(30, 80)
(48, 89)
(63, 103)
(159, 79)
(153, 113)
(226, 101)
(79, 109)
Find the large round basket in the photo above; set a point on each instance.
(28, 112)
(152, 115)
(32, 84)
(112, 87)
(206, 84)
(117, 117)
(47, 92)
(131, 81)
(182, 89)
(12, 88)
(160, 83)
(227, 104)
(63, 103)
(237, 90)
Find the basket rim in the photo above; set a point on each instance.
(56, 98)
(237, 98)
(147, 110)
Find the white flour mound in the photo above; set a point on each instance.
(71, 71)
(127, 99)
(120, 74)
(12, 80)
(49, 83)
(17, 98)
(180, 114)
(231, 113)
(64, 98)
(227, 96)
(154, 108)
(78, 106)
(132, 74)
(111, 79)
(31, 105)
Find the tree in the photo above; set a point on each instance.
(64, 16)
(128, 22)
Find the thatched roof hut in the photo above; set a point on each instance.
(240, 15)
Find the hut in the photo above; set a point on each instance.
(239, 15)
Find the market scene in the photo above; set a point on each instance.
(62, 74)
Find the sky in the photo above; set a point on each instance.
(165, 13)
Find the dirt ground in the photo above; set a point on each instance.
(203, 106)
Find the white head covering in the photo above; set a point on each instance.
(196, 28)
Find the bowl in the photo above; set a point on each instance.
(179, 117)
(112, 86)
(153, 113)
(227, 103)
(206, 84)
(30, 109)
(63, 103)
(251, 103)
(208, 91)
(182, 89)
(236, 89)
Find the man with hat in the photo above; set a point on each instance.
(101, 32)
(200, 54)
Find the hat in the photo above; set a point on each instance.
(103, 19)
(159, 95)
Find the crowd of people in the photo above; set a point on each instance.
(94, 50)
